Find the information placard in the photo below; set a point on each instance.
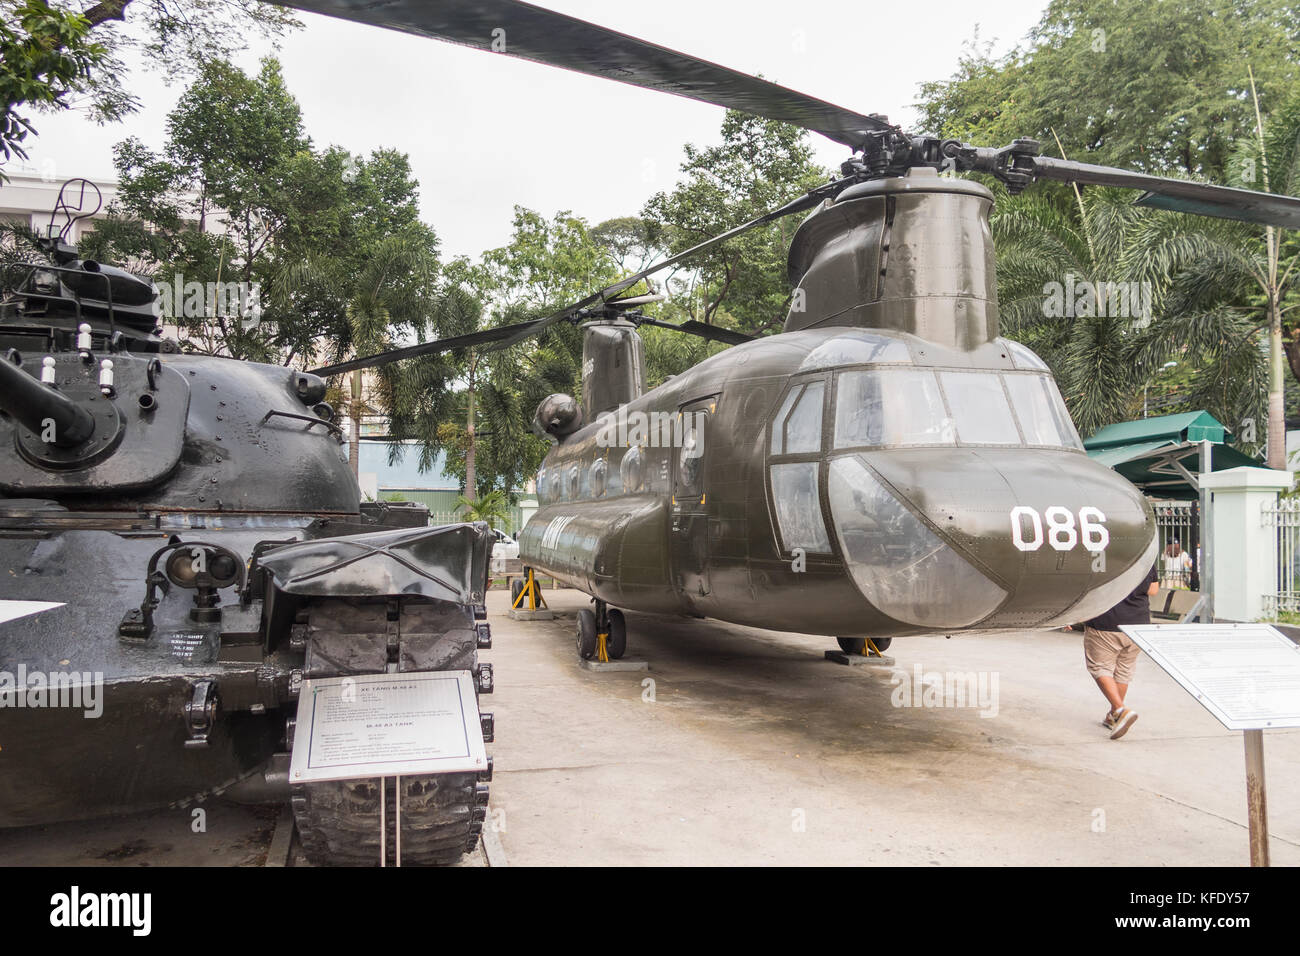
(380, 725)
(1246, 675)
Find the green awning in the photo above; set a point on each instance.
(1153, 452)
(1185, 427)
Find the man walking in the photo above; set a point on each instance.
(1111, 655)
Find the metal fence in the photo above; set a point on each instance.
(1283, 515)
(1179, 561)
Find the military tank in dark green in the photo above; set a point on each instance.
(182, 551)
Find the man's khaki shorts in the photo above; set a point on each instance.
(1110, 654)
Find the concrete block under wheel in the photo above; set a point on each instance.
(623, 665)
(541, 614)
(859, 660)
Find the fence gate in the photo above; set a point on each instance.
(1283, 516)
(1178, 562)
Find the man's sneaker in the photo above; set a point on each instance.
(1119, 723)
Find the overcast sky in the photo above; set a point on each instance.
(485, 132)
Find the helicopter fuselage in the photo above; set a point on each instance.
(844, 481)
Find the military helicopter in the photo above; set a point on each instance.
(888, 464)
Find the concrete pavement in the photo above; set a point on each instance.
(749, 748)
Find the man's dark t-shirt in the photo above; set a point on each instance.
(1134, 609)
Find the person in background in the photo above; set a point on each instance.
(1111, 656)
(1175, 567)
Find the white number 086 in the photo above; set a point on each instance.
(1061, 532)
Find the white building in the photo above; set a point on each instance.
(30, 196)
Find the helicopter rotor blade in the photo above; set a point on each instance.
(1019, 165)
(484, 337)
(1180, 195)
(807, 201)
(507, 335)
(528, 32)
(714, 333)
(628, 301)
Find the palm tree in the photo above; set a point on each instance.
(1220, 290)
(492, 392)
(490, 508)
(1099, 244)
(384, 297)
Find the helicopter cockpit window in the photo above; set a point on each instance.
(1022, 357)
(1041, 412)
(798, 507)
(890, 407)
(904, 406)
(797, 428)
(980, 408)
(856, 347)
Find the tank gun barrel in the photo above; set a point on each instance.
(35, 405)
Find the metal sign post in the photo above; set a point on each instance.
(1247, 676)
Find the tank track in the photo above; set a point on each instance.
(357, 822)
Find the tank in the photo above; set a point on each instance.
(190, 537)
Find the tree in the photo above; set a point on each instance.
(547, 264)
(46, 56)
(477, 405)
(387, 294)
(629, 240)
(1158, 86)
(1106, 292)
(331, 244)
(1217, 272)
(491, 508)
(58, 56)
(759, 165)
(211, 207)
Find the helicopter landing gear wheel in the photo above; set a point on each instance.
(586, 634)
(516, 587)
(858, 645)
(616, 645)
(602, 633)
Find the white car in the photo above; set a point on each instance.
(504, 547)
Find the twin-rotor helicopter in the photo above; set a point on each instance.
(889, 464)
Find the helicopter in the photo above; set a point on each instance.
(888, 464)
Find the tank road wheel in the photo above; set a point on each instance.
(616, 644)
(353, 822)
(586, 634)
(516, 588)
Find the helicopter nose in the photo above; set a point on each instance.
(997, 537)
